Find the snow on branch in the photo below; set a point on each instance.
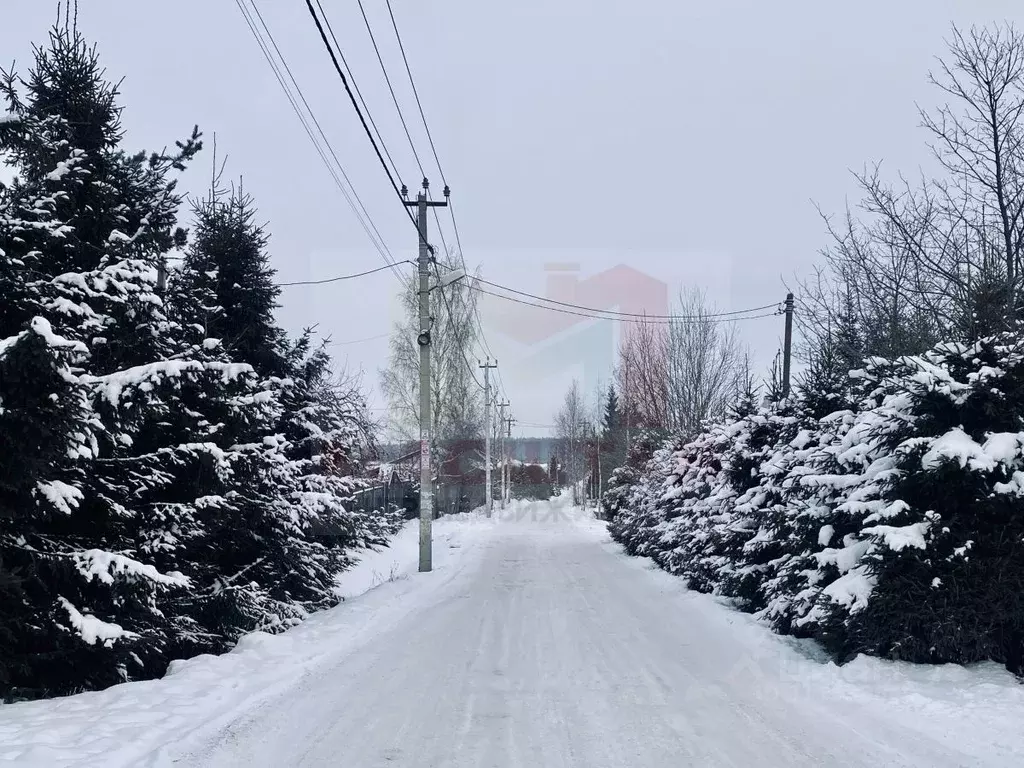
(93, 630)
(145, 377)
(104, 566)
(61, 495)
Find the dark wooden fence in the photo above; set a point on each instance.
(384, 496)
(450, 498)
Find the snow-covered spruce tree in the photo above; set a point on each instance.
(776, 438)
(229, 270)
(45, 429)
(623, 479)
(284, 526)
(326, 430)
(756, 542)
(933, 571)
(82, 230)
(823, 411)
(698, 506)
(639, 515)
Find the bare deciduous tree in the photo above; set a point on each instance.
(678, 375)
(572, 429)
(642, 375)
(704, 361)
(939, 257)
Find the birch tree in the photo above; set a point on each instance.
(456, 402)
(571, 430)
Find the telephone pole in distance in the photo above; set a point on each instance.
(501, 433)
(787, 352)
(508, 463)
(487, 366)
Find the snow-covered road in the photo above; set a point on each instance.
(551, 649)
(535, 642)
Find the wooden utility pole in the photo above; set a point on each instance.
(426, 478)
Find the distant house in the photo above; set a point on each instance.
(404, 468)
(533, 450)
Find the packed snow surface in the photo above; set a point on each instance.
(535, 642)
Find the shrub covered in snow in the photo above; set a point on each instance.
(624, 478)
(893, 527)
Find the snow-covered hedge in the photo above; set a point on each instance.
(892, 527)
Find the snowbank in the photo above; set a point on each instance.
(132, 724)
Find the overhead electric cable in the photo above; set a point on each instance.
(710, 315)
(440, 170)
(357, 341)
(391, 89)
(345, 277)
(359, 93)
(639, 319)
(415, 91)
(355, 105)
(355, 204)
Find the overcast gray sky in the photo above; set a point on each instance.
(685, 139)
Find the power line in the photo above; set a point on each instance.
(359, 93)
(367, 222)
(628, 314)
(352, 98)
(415, 92)
(362, 119)
(357, 341)
(642, 320)
(312, 115)
(387, 79)
(345, 277)
(401, 115)
(455, 226)
(604, 314)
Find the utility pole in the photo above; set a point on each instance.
(501, 433)
(507, 490)
(426, 478)
(487, 366)
(787, 354)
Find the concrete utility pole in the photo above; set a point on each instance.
(507, 485)
(426, 477)
(487, 366)
(501, 433)
(787, 352)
